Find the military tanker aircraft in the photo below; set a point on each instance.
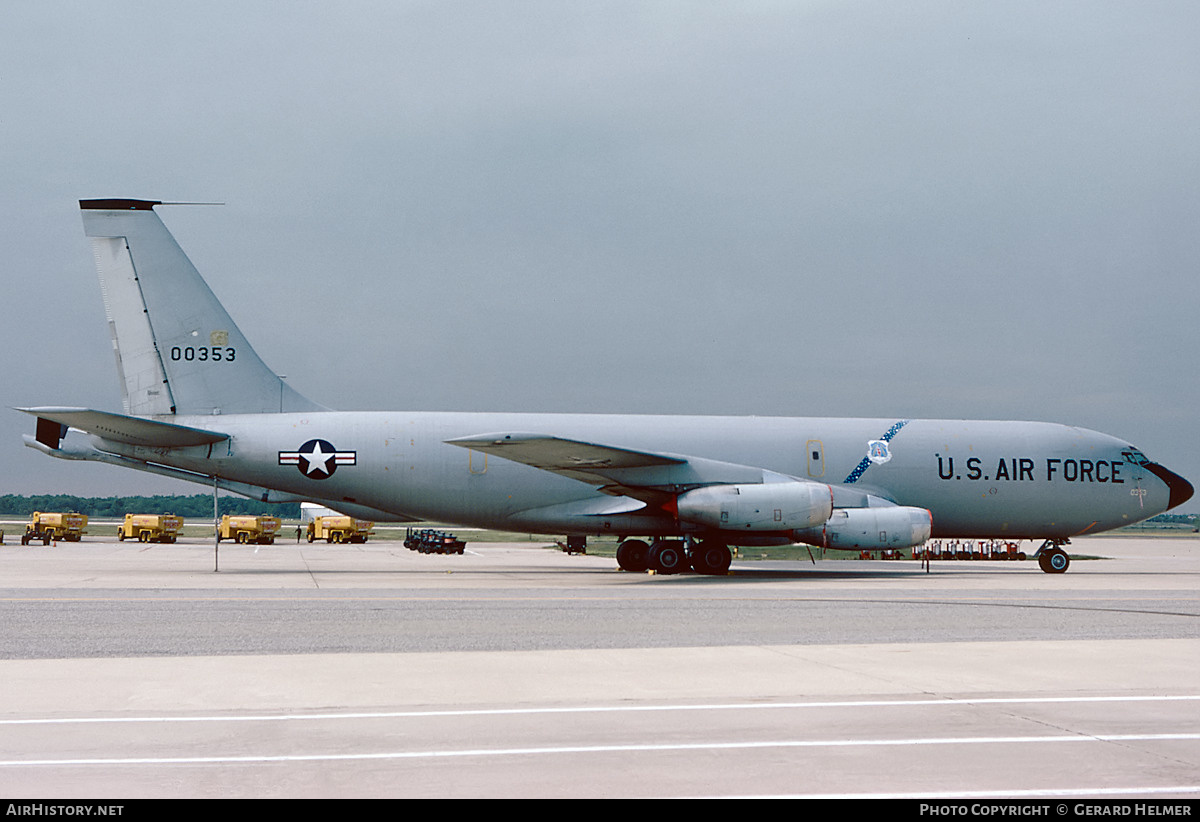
(200, 405)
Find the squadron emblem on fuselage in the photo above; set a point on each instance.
(878, 452)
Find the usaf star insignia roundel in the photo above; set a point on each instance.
(318, 459)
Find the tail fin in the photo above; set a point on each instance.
(178, 351)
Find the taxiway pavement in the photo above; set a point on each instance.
(341, 671)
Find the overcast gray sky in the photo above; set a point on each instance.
(921, 209)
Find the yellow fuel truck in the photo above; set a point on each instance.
(150, 527)
(44, 526)
(339, 529)
(260, 530)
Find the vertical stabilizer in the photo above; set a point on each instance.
(178, 351)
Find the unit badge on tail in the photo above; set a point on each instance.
(318, 459)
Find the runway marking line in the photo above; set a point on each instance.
(658, 708)
(599, 749)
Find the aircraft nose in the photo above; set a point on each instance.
(1181, 489)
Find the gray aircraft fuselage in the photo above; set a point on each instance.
(978, 478)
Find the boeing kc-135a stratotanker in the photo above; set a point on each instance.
(200, 405)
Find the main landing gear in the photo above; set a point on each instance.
(672, 556)
(1052, 558)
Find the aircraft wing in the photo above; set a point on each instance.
(562, 455)
(52, 424)
(645, 475)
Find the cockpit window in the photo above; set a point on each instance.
(1134, 457)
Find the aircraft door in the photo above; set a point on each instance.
(815, 458)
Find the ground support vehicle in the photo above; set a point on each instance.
(260, 530)
(53, 526)
(339, 529)
(429, 541)
(996, 549)
(163, 528)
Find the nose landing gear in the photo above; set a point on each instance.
(1052, 558)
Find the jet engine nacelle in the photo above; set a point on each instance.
(896, 526)
(770, 506)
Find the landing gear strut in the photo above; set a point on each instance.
(1052, 558)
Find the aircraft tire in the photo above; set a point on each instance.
(632, 555)
(711, 559)
(666, 558)
(1054, 561)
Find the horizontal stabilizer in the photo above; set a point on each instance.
(123, 429)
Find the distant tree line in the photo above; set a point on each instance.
(195, 506)
(1187, 519)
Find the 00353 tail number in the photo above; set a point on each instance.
(211, 353)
